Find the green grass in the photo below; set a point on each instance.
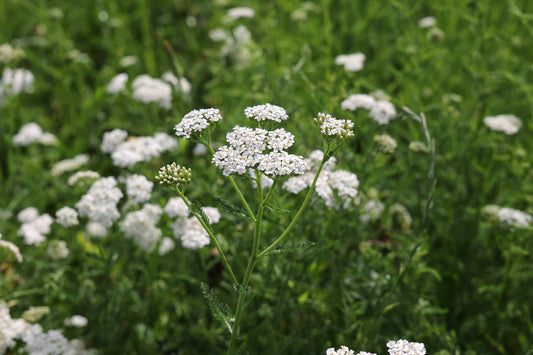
(465, 281)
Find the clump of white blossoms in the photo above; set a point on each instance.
(329, 184)
(138, 188)
(9, 54)
(190, 231)
(426, 22)
(381, 110)
(404, 347)
(175, 207)
(514, 218)
(99, 204)
(12, 249)
(147, 89)
(57, 249)
(76, 321)
(33, 133)
(330, 126)
(34, 226)
(372, 210)
(351, 62)
(141, 226)
(181, 84)
(67, 216)
(266, 112)
(65, 165)
(196, 121)
(386, 143)
(117, 83)
(128, 152)
(15, 81)
(240, 12)
(344, 350)
(86, 176)
(506, 123)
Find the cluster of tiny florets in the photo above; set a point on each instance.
(34, 226)
(381, 110)
(266, 112)
(330, 126)
(404, 347)
(506, 123)
(99, 204)
(174, 174)
(196, 121)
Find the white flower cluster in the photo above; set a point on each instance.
(345, 183)
(65, 165)
(175, 207)
(67, 217)
(139, 188)
(117, 83)
(76, 321)
(381, 111)
(427, 22)
(330, 126)
(404, 347)
(57, 249)
(373, 209)
(344, 350)
(13, 249)
(351, 62)
(141, 226)
(386, 143)
(182, 84)
(36, 341)
(238, 12)
(33, 133)
(128, 152)
(99, 204)
(514, 218)
(196, 121)
(266, 112)
(147, 89)
(34, 226)
(15, 81)
(83, 176)
(506, 123)
(191, 232)
(9, 54)
(167, 244)
(248, 149)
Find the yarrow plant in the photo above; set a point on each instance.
(258, 154)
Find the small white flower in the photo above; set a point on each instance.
(167, 244)
(330, 126)
(508, 124)
(117, 83)
(180, 84)
(138, 187)
(76, 321)
(404, 347)
(67, 216)
(28, 133)
(57, 249)
(382, 112)
(356, 101)
(514, 217)
(386, 143)
(65, 165)
(191, 233)
(343, 350)
(96, 230)
(175, 207)
(351, 62)
(196, 121)
(212, 213)
(427, 22)
(27, 215)
(86, 176)
(238, 12)
(112, 139)
(128, 61)
(147, 89)
(372, 210)
(99, 203)
(15, 81)
(266, 112)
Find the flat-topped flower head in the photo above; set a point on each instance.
(332, 127)
(266, 112)
(404, 347)
(174, 175)
(196, 121)
(282, 164)
(506, 123)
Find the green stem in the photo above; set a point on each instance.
(249, 267)
(235, 187)
(302, 208)
(211, 235)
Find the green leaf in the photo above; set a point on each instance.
(231, 208)
(220, 310)
(289, 248)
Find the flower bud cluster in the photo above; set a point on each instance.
(330, 126)
(174, 174)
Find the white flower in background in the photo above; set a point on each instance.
(281, 163)
(117, 83)
(266, 182)
(372, 210)
(96, 230)
(76, 321)
(83, 176)
(99, 204)
(35, 227)
(345, 183)
(386, 143)
(8, 53)
(427, 22)
(175, 207)
(15, 81)
(514, 217)
(218, 35)
(10, 329)
(137, 149)
(351, 62)
(343, 350)
(128, 61)
(167, 244)
(67, 217)
(508, 124)
(417, 147)
(15, 251)
(139, 188)
(196, 121)
(34, 314)
(141, 226)
(191, 233)
(147, 89)
(212, 213)
(199, 150)
(33, 133)
(51, 342)
(57, 249)
(238, 12)
(65, 165)
(181, 84)
(356, 101)
(266, 112)
(403, 347)
(382, 112)
(112, 139)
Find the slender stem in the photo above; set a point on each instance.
(302, 207)
(235, 187)
(211, 235)
(249, 267)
